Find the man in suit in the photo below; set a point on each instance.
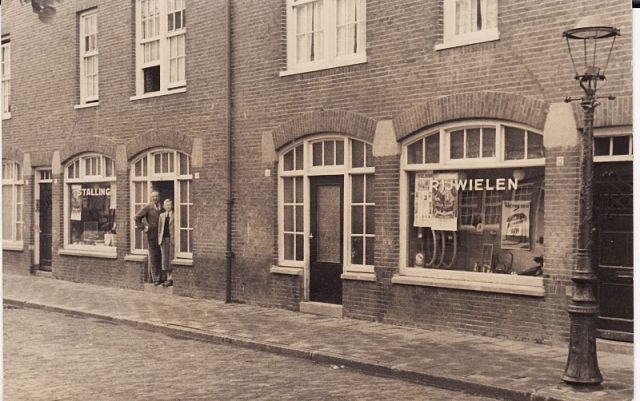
(151, 213)
(165, 240)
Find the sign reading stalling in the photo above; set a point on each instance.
(516, 220)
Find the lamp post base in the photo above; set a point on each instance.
(582, 362)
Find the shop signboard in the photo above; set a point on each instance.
(516, 220)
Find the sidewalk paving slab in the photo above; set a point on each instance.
(492, 367)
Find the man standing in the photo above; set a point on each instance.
(165, 239)
(151, 213)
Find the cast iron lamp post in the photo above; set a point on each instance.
(582, 362)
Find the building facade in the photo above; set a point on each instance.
(400, 161)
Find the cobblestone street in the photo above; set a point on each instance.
(51, 356)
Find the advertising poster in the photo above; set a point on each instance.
(76, 202)
(515, 225)
(436, 201)
(423, 205)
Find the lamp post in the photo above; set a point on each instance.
(582, 42)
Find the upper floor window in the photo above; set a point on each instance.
(325, 34)
(12, 205)
(6, 78)
(160, 55)
(469, 21)
(89, 57)
(612, 148)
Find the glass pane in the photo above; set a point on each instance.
(299, 219)
(288, 246)
(184, 164)
(357, 153)
(299, 247)
(370, 248)
(185, 196)
(457, 144)
(90, 217)
(370, 219)
(288, 218)
(371, 184)
(299, 158)
(184, 216)
(357, 189)
(621, 145)
(7, 196)
(317, 154)
(514, 143)
(488, 142)
(328, 153)
(329, 231)
(414, 153)
(356, 220)
(138, 240)
(535, 148)
(184, 241)
(601, 146)
(369, 153)
(157, 162)
(288, 161)
(339, 153)
(473, 143)
(288, 190)
(433, 148)
(356, 250)
(299, 190)
(108, 168)
(144, 166)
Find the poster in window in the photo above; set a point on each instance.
(516, 222)
(76, 202)
(436, 201)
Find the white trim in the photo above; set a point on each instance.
(86, 105)
(158, 93)
(182, 262)
(451, 39)
(490, 35)
(359, 58)
(91, 15)
(292, 271)
(472, 281)
(6, 116)
(94, 253)
(370, 277)
(12, 245)
(135, 258)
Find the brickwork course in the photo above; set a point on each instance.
(405, 82)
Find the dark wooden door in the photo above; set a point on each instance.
(325, 243)
(613, 253)
(45, 226)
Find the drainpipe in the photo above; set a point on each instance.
(229, 251)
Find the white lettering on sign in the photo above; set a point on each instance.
(95, 191)
(478, 184)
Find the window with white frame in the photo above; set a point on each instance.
(160, 54)
(90, 204)
(6, 78)
(350, 158)
(325, 33)
(12, 204)
(89, 56)
(608, 148)
(169, 172)
(490, 169)
(469, 21)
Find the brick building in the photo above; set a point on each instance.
(391, 161)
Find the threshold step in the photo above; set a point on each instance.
(320, 308)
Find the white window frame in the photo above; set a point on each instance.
(12, 180)
(451, 39)
(178, 179)
(329, 17)
(89, 55)
(474, 281)
(308, 171)
(6, 78)
(80, 165)
(612, 132)
(164, 37)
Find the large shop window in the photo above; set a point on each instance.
(90, 204)
(350, 159)
(12, 205)
(168, 172)
(325, 34)
(472, 201)
(469, 21)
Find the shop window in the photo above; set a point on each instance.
(324, 34)
(169, 172)
(90, 204)
(89, 57)
(12, 205)
(349, 158)
(469, 21)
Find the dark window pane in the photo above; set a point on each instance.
(317, 154)
(288, 161)
(356, 220)
(288, 246)
(414, 153)
(433, 148)
(151, 79)
(369, 150)
(371, 185)
(370, 243)
(328, 153)
(299, 158)
(339, 153)
(371, 219)
(299, 247)
(356, 250)
(288, 190)
(473, 143)
(299, 190)
(535, 149)
(457, 145)
(488, 142)
(601, 146)
(288, 218)
(514, 143)
(620, 145)
(299, 223)
(357, 189)
(357, 153)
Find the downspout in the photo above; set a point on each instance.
(229, 251)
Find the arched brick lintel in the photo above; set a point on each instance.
(155, 139)
(462, 106)
(12, 153)
(338, 121)
(97, 144)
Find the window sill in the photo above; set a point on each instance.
(12, 246)
(309, 67)
(469, 39)
(6, 116)
(291, 271)
(135, 258)
(86, 105)
(471, 281)
(182, 262)
(370, 277)
(89, 253)
(158, 94)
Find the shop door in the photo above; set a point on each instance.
(613, 253)
(325, 243)
(46, 223)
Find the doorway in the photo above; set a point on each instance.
(166, 189)
(326, 239)
(613, 253)
(43, 217)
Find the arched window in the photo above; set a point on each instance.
(90, 204)
(12, 205)
(169, 172)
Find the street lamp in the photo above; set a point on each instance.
(583, 42)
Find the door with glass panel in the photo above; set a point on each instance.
(43, 217)
(326, 239)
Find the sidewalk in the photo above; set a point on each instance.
(487, 366)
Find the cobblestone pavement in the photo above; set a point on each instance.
(52, 356)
